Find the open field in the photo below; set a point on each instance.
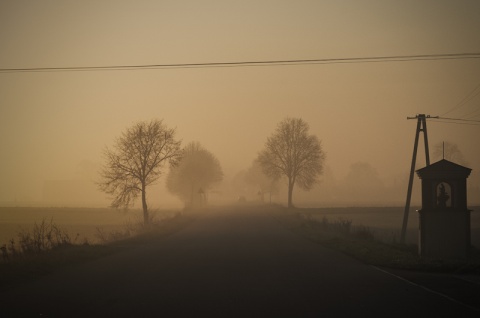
(81, 221)
(386, 222)
(382, 222)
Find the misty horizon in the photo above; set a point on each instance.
(52, 123)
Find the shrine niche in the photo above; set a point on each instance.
(444, 217)
(444, 199)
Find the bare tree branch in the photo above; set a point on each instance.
(293, 153)
(136, 161)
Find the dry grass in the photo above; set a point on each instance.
(385, 222)
(46, 247)
(362, 243)
(83, 221)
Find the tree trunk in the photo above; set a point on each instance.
(290, 193)
(146, 219)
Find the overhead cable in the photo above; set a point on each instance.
(453, 122)
(472, 94)
(459, 119)
(374, 59)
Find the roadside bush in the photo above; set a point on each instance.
(340, 225)
(107, 237)
(129, 230)
(42, 237)
(363, 232)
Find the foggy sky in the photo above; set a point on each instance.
(52, 122)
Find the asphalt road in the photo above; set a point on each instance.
(228, 263)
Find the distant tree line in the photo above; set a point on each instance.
(291, 156)
(139, 157)
(143, 151)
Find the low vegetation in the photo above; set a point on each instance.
(46, 247)
(361, 243)
(43, 237)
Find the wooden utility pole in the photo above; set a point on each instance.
(421, 126)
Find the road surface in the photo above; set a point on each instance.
(228, 263)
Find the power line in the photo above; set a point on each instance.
(473, 114)
(454, 123)
(375, 59)
(465, 100)
(459, 119)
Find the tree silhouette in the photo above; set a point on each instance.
(293, 153)
(136, 161)
(193, 176)
(451, 152)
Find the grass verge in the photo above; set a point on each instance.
(360, 243)
(33, 264)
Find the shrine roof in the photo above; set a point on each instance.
(444, 169)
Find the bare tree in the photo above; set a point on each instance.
(136, 161)
(194, 175)
(449, 151)
(293, 153)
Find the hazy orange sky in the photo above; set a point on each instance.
(52, 121)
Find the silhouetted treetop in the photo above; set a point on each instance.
(293, 153)
(196, 172)
(136, 161)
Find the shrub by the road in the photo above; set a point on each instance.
(46, 247)
(43, 237)
(361, 243)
